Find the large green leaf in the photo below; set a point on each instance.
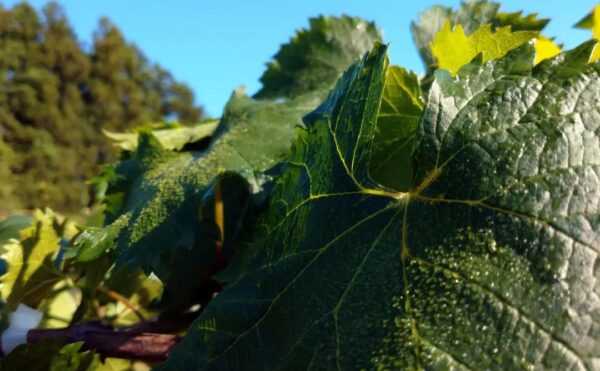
(316, 57)
(489, 261)
(161, 204)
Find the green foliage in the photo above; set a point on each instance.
(10, 227)
(316, 57)
(51, 355)
(171, 138)
(452, 229)
(469, 268)
(55, 355)
(399, 114)
(55, 99)
(587, 22)
(156, 194)
(592, 22)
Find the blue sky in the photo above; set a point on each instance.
(217, 45)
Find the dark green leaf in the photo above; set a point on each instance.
(488, 262)
(50, 355)
(397, 121)
(11, 226)
(163, 225)
(316, 57)
(587, 22)
(160, 212)
(519, 22)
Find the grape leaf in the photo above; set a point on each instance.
(592, 22)
(588, 22)
(316, 57)
(519, 22)
(596, 24)
(170, 138)
(488, 261)
(140, 290)
(60, 305)
(163, 225)
(119, 364)
(471, 15)
(452, 49)
(11, 226)
(399, 114)
(160, 216)
(32, 270)
(545, 48)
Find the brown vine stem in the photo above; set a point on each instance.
(109, 342)
(219, 218)
(115, 296)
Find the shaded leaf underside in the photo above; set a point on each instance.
(488, 261)
(399, 114)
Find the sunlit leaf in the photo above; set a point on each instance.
(545, 48)
(32, 270)
(453, 49)
(592, 22)
(170, 138)
(471, 15)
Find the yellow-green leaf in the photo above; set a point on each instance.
(170, 138)
(592, 22)
(60, 305)
(453, 49)
(31, 272)
(545, 48)
(595, 56)
(596, 22)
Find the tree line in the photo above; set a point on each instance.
(56, 96)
